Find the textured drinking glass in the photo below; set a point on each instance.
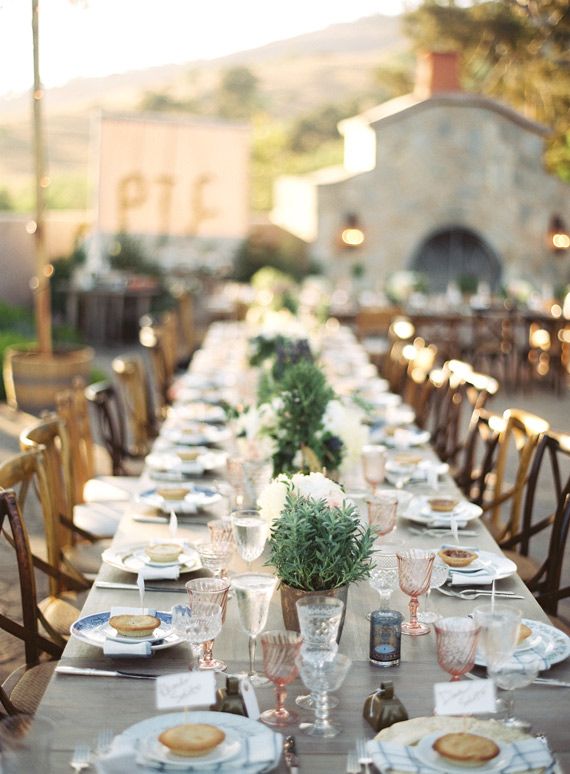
(456, 642)
(215, 557)
(221, 531)
(439, 575)
(320, 679)
(250, 533)
(384, 578)
(197, 625)
(234, 469)
(382, 513)
(414, 569)
(280, 652)
(373, 465)
(499, 632)
(253, 592)
(256, 476)
(510, 675)
(212, 591)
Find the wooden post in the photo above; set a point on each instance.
(41, 283)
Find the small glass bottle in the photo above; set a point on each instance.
(385, 637)
(229, 699)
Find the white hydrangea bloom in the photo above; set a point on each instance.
(346, 421)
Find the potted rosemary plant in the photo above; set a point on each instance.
(317, 543)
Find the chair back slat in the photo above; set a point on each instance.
(136, 402)
(109, 421)
(73, 409)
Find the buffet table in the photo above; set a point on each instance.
(80, 706)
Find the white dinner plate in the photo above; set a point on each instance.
(462, 508)
(196, 435)
(132, 558)
(468, 512)
(198, 497)
(94, 629)
(197, 412)
(426, 754)
(244, 728)
(229, 748)
(551, 646)
(496, 566)
(404, 437)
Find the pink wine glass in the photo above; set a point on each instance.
(414, 569)
(456, 640)
(280, 651)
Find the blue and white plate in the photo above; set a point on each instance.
(133, 558)
(198, 497)
(259, 747)
(94, 629)
(549, 644)
(198, 434)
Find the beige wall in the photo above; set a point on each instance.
(17, 262)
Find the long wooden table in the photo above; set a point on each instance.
(82, 706)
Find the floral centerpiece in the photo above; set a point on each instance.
(400, 285)
(317, 543)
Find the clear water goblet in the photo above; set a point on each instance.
(280, 652)
(373, 465)
(456, 642)
(253, 592)
(414, 570)
(209, 591)
(215, 557)
(250, 533)
(439, 575)
(384, 578)
(382, 514)
(197, 625)
(320, 679)
(499, 632)
(510, 675)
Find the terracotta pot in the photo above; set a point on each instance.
(32, 379)
(289, 597)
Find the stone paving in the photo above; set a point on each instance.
(554, 408)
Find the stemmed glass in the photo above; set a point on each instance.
(510, 675)
(456, 640)
(384, 578)
(280, 651)
(382, 513)
(215, 557)
(373, 465)
(221, 532)
(439, 575)
(414, 568)
(319, 621)
(211, 591)
(250, 533)
(198, 625)
(253, 592)
(320, 679)
(399, 473)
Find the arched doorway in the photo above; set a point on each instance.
(455, 254)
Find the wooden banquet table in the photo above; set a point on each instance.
(80, 706)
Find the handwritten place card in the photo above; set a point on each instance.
(464, 698)
(189, 689)
(249, 698)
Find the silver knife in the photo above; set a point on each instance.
(134, 587)
(62, 669)
(290, 754)
(549, 681)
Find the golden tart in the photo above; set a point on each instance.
(442, 504)
(466, 749)
(191, 740)
(457, 557)
(163, 552)
(407, 458)
(173, 492)
(131, 625)
(188, 455)
(524, 632)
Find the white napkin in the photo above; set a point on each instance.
(126, 649)
(474, 578)
(170, 572)
(256, 751)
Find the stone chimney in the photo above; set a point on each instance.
(437, 72)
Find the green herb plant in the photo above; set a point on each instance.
(315, 547)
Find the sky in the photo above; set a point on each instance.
(83, 38)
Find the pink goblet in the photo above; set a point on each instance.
(280, 651)
(382, 513)
(212, 591)
(373, 464)
(456, 640)
(414, 569)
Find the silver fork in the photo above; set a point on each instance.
(364, 758)
(104, 739)
(352, 764)
(474, 593)
(81, 758)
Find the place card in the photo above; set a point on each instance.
(188, 689)
(464, 698)
(249, 698)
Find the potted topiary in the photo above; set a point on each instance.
(317, 543)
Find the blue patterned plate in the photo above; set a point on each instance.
(94, 629)
(550, 644)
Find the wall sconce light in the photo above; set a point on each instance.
(352, 234)
(558, 236)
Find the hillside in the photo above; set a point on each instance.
(295, 76)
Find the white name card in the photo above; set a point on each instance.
(464, 698)
(249, 698)
(189, 689)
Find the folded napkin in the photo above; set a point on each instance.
(126, 649)
(526, 755)
(169, 572)
(480, 577)
(257, 752)
(447, 523)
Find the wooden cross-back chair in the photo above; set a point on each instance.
(157, 341)
(549, 472)
(400, 333)
(71, 406)
(416, 388)
(25, 473)
(73, 548)
(110, 423)
(507, 440)
(22, 690)
(136, 402)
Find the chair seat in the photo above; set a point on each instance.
(526, 567)
(99, 519)
(59, 613)
(30, 686)
(113, 488)
(86, 557)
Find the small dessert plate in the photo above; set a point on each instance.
(228, 749)
(94, 629)
(131, 558)
(426, 754)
